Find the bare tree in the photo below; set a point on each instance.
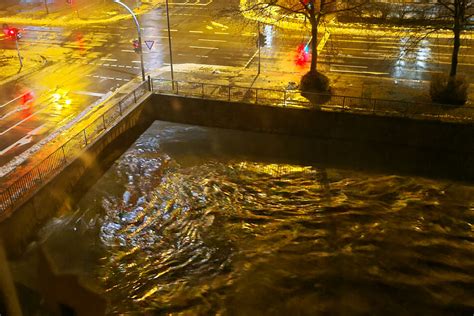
(313, 11)
(455, 15)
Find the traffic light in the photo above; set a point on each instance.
(136, 46)
(12, 33)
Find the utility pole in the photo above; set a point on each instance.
(169, 44)
(18, 51)
(258, 41)
(139, 35)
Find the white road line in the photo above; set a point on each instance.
(171, 30)
(94, 94)
(105, 65)
(20, 122)
(128, 51)
(211, 40)
(108, 59)
(349, 66)
(221, 33)
(3, 105)
(136, 62)
(25, 140)
(201, 47)
(359, 72)
(200, 32)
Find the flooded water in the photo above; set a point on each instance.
(203, 221)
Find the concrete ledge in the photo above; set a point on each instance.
(356, 141)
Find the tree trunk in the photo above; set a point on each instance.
(314, 43)
(457, 45)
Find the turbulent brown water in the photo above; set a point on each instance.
(185, 223)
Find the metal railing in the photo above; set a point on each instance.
(320, 101)
(56, 161)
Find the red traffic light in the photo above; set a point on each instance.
(12, 33)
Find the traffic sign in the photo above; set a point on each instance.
(149, 44)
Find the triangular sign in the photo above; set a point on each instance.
(149, 44)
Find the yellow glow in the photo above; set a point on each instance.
(68, 102)
(56, 96)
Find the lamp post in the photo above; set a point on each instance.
(139, 34)
(169, 44)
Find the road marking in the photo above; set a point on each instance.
(201, 47)
(323, 41)
(94, 94)
(20, 122)
(359, 72)
(171, 30)
(349, 66)
(23, 141)
(3, 105)
(128, 51)
(221, 33)
(200, 32)
(108, 59)
(136, 62)
(212, 40)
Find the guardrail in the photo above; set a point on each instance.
(319, 101)
(55, 162)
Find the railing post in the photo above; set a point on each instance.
(64, 154)
(284, 98)
(256, 96)
(10, 195)
(202, 90)
(177, 88)
(85, 136)
(343, 102)
(228, 97)
(120, 107)
(40, 176)
(134, 97)
(103, 121)
(150, 88)
(373, 106)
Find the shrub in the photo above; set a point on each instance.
(448, 90)
(314, 82)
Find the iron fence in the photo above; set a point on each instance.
(320, 101)
(56, 161)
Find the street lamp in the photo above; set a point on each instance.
(139, 34)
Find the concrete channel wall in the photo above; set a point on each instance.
(342, 140)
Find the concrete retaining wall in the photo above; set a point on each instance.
(337, 139)
(430, 148)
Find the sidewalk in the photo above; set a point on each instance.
(272, 78)
(93, 13)
(10, 65)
